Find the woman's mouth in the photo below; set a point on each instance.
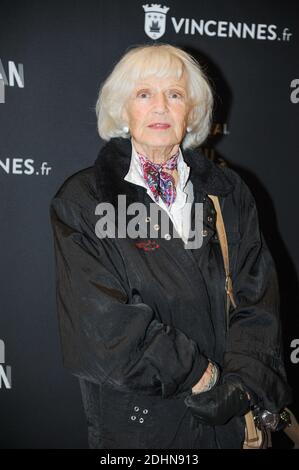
(159, 125)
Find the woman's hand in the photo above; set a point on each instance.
(220, 404)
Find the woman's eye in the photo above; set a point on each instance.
(175, 95)
(142, 94)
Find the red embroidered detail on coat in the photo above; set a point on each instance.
(148, 245)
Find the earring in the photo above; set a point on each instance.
(126, 129)
(189, 129)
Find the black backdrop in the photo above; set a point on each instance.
(53, 58)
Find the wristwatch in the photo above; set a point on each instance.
(269, 420)
(273, 421)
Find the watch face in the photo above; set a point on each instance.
(270, 420)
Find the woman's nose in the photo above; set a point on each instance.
(160, 102)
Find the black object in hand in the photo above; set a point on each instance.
(220, 404)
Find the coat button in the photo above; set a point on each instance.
(136, 408)
(133, 417)
(145, 411)
(204, 232)
(210, 219)
(156, 227)
(147, 219)
(141, 420)
(167, 236)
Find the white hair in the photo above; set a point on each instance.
(160, 60)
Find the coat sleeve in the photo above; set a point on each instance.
(107, 333)
(254, 344)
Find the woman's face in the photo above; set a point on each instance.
(157, 111)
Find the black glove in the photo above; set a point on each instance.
(220, 404)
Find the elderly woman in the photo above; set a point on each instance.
(142, 309)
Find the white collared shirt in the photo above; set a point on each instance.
(180, 210)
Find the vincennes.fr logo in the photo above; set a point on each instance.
(155, 27)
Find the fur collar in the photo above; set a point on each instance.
(113, 162)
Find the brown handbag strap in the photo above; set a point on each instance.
(220, 227)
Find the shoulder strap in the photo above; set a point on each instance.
(220, 227)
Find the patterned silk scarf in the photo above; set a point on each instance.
(159, 181)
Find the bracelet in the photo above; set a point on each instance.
(212, 380)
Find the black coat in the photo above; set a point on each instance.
(138, 325)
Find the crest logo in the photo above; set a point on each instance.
(155, 20)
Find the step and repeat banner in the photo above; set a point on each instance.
(53, 59)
